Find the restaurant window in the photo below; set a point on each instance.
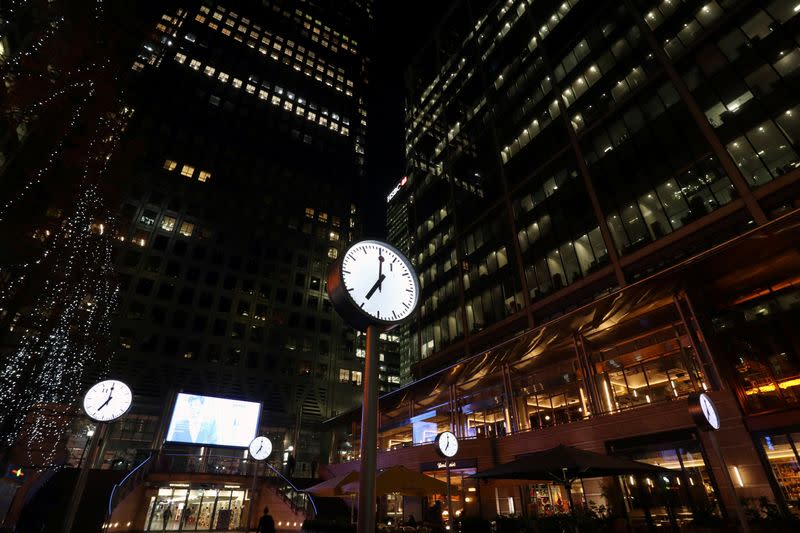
(690, 488)
(781, 451)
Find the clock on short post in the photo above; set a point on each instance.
(104, 402)
(260, 448)
(447, 446)
(374, 288)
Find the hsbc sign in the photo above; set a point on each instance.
(397, 189)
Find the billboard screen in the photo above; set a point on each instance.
(210, 421)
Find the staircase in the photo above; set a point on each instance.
(286, 517)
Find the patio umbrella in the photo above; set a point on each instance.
(331, 488)
(403, 481)
(565, 464)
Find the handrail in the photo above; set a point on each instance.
(139, 472)
(294, 488)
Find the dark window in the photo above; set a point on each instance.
(212, 277)
(294, 320)
(173, 269)
(153, 263)
(280, 295)
(145, 286)
(297, 298)
(171, 346)
(311, 323)
(160, 242)
(217, 257)
(252, 360)
(192, 274)
(264, 290)
(312, 302)
(325, 326)
(224, 304)
(243, 309)
(179, 319)
(206, 300)
(131, 258)
(300, 280)
(136, 310)
(315, 283)
(159, 314)
(237, 331)
(165, 291)
(180, 248)
(199, 253)
(230, 282)
(186, 296)
(219, 327)
(199, 323)
(248, 286)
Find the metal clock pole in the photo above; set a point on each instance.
(449, 499)
(252, 497)
(80, 485)
(369, 435)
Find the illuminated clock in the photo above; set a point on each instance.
(447, 444)
(373, 283)
(704, 412)
(107, 400)
(260, 448)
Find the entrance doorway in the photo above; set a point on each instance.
(196, 509)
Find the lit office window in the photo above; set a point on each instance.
(187, 170)
(357, 377)
(344, 375)
(209, 71)
(168, 223)
(180, 58)
(169, 164)
(333, 253)
(195, 64)
(204, 176)
(237, 83)
(187, 228)
(334, 235)
(223, 77)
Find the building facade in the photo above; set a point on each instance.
(244, 157)
(588, 182)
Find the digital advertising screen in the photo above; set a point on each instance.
(211, 421)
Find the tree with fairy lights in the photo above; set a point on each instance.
(56, 304)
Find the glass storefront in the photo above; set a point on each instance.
(784, 461)
(669, 499)
(185, 508)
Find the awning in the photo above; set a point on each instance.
(332, 487)
(565, 464)
(401, 480)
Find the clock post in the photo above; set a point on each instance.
(373, 287)
(260, 449)
(706, 417)
(104, 402)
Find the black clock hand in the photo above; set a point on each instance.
(104, 403)
(375, 287)
(380, 271)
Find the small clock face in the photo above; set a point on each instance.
(380, 281)
(447, 444)
(709, 411)
(107, 400)
(260, 448)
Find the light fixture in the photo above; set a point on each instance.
(738, 476)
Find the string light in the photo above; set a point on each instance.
(65, 336)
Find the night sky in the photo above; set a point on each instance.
(401, 30)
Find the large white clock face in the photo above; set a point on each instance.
(260, 448)
(107, 400)
(380, 281)
(447, 443)
(709, 411)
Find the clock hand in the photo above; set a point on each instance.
(104, 403)
(380, 271)
(375, 287)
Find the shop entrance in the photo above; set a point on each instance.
(188, 508)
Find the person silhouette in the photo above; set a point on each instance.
(266, 524)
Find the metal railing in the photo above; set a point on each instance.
(121, 490)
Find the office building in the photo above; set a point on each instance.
(589, 185)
